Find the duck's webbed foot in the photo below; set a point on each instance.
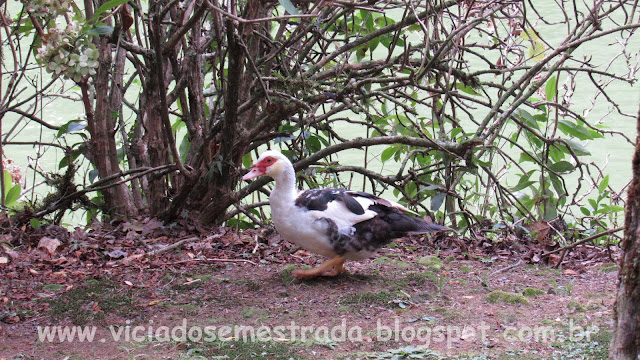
(332, 267)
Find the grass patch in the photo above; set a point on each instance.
(250, 349)
(432, 263)
(385, 260)
(593, 346)
(286, 276)
(408, 352)
(499, 296)
(575, 306)
(53, 287)
(533, 292)
(90, 301)
(448, 314)
(379, 298)
(419, 278)
(255, 313)
(608, 267)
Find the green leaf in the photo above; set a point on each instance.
(8, 181)
(106, 7)
(556, 154)
(524, 157)
(65, 160)
(585, 211)
(557, 185)
(522, 185)
(247, 160)
(561, 166)
(467, 89)
(537, 47)
(185, 146)
(387, 153)
(454, 132)
(368, 18)
(550, 89)
(288, 5)
(550, 211)
(526, 118)
(12, 195)
(373, 44)
(578, 148)
(603, 184)
(35, 223)
(100, 30)
(437, 200)
(573, 129)
(615, 208)
(313, 144)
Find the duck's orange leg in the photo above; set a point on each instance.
(332, 267)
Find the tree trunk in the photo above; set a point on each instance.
(625, 344)
(219, 196)
(118, 199)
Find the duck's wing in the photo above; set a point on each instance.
(343, 207)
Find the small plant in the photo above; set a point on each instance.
(432, 263)
(379, 298)
(385, 260)
(409, 352)
(532, 292)
(497, 296)
(441, 281)
(575, 306)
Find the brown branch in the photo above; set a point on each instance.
(258, 20)
(587, 239)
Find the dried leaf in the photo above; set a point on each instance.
(4, 260)
(51, 245)
(570, 272)
(539, 230)
(128, 283)
(117, 254)
(11, 319)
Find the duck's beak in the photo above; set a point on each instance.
(253, 173)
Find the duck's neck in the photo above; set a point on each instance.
(284, 192)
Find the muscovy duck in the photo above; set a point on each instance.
(336, 223)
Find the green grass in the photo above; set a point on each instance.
(384, 260)
(609, 267)
(379, 298)
(273, 350)
(499, 296)
(91, 300)
(533, 292)
(575, 306)
(432, 263)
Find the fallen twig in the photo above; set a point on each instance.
(571, 246)
(172, 246)
(485, 281)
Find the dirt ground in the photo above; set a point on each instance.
(225, 295)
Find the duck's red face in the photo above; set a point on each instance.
(260, 168)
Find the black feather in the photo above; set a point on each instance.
(372, 234)
(319, 199)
